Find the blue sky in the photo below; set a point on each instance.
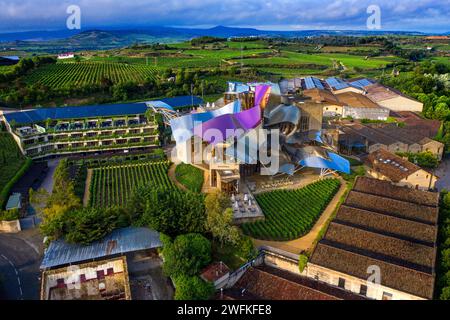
(425, 15)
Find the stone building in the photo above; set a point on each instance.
(384, 165)
(384, 231)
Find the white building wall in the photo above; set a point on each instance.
(354, 284)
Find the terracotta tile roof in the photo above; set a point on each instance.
(388, 225)
(414, 121)
(353, 99)
(378, 92)
(371, 135)
(394, 207)
(268, 283)
(377, 225)
(387, 189)
(319, 95)
(390, 165)
(378, 245)
(394, 276)
(214, 272)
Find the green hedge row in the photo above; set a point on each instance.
(4, 194)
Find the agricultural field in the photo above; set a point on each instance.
(113, 185)
(5, 69)
(63, 75)
(290, 214)
(190, 177)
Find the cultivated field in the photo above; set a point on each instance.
(64, 75)
(290, 214)
(113, 185)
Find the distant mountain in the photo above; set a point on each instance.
(52, 41)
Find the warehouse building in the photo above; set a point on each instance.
(357, 138)
(382, 243)
(362, 98)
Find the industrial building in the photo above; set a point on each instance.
(385, 231)
(355, 98)
(355, 138)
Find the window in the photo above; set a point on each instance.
(341, 283)
(363, 290)
(304, 123)
(387, 296)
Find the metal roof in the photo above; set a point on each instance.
(106, 110)
(336, 83)
(14, 201)
(14, 58)
(362, 83)
(120, 241)
(313, 83)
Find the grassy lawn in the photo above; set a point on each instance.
(227, 254)
(190, 177)
(290, 214)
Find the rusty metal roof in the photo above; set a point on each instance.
(61, 253)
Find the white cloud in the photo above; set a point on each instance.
(397, 14)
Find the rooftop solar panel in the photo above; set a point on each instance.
(336, 83)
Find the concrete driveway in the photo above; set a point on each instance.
(20, 258)
(47, 184)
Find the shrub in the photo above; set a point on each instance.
(302, 262)
(192, 288)
(7, 188)
(10, 215)
(187, 255)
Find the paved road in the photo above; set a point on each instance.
(443, 172)
(47, 184)
(20, 257)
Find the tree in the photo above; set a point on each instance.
(219, 218)
(62, 200)
(39, 199)
(167, 210)
(87, 225)
(187, 255)
(192, 288)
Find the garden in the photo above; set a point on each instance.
(190, 177)
(290, 214)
